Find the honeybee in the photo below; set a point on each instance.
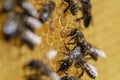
(86, 48)
(8, 5)
(86, 11)
(87, 67)
(46, 11)
(32, 23)
(28, 8)
(72, 6)
(30, 38)
(10, 28)
(72, 56)
(41, 69)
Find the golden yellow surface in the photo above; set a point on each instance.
(105, 34)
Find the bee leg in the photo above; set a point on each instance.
(67, 49)
(66, 9)
(65, 73)
(71, 38)
(81, 74)
(71, 43)
(61, 4)
(78, 19)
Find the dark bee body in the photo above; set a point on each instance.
(86, 48)
(40, 69)
(34, 64)
(39, 66)
(87, 20)
(7, 5)
(66, 64)
(33, 77)
(87, 67)
(46, 11)
(94, 56)
(86, 11)
(72, 6)
(77, 36)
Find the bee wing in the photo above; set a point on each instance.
(10, 27)
(76, 52)
(33, 22)
(28, 35)
(99, 52)
(90, 70)
(27, 6)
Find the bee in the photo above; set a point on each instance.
(17, 23)
(10, 28)
(7, 5)
(30, 38)
(67, 63)
(41, 69)
(32, 23)
(72, 6)
(87, 67)
(46, 11)
(27, 7)
(72, 56)
(86, 48)
(76, 35)
(86, 11)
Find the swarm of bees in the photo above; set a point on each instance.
(23, 23)
(77, 55)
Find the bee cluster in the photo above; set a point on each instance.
(77, 56)
(84, 7)
(23, 22)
